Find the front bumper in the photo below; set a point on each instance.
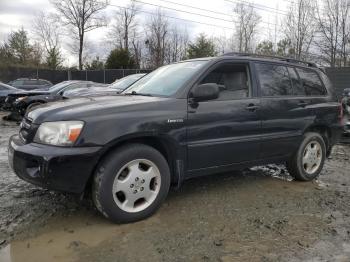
(58, 168)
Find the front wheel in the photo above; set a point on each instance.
(307, 163)
(131, 183)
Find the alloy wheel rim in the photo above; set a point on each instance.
(312, 157)
(136, 185)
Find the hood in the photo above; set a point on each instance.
(85, 107)
(28, 93)
(91, 91)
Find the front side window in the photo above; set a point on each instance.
(166, 80)
(311, 82)
(274, 80)
(232, 80)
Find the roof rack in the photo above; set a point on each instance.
(280, 58)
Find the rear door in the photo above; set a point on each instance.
(285, 110)
(226, 130)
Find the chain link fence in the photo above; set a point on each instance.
(55, 76)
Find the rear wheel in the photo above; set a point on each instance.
(307, 163)
(131, 183)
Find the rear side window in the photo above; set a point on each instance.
(274, 80)
(311, 82)
(298, 89)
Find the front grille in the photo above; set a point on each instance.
(27, 130)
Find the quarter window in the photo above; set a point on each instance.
(274, 80)
(311, 82)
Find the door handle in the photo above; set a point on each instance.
(252, 107)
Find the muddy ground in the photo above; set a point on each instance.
(259, 214)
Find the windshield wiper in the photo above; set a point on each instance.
(134, 93)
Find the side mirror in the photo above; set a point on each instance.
(204, 92)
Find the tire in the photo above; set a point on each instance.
(306, 164)
(123, 172)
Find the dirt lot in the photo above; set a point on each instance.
(259, 214)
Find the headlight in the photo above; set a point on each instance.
(62, 133)
(21, 98)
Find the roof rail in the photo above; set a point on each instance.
(280, 58)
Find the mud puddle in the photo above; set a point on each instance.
(236, 217)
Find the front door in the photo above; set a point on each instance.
(226, 130)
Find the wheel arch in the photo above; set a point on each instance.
(324, 131)
(166, 146)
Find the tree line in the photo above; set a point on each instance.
(318, 31)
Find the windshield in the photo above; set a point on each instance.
(59, 86)
(166, 80)
(126, 82)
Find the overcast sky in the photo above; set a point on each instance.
(15, 14)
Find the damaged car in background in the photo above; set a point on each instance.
(20, 102)
(5, 90)
(346, 109)
(31, 84)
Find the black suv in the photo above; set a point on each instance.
(187, 119)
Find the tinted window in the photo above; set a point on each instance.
(311, 82)
(30, 82)
(274, 80)
(17, 82)
(42, 82)
(298, 88)
(232, 81)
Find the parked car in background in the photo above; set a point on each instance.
(19, 102)
(30, 84)
(4, 91)
(115, 88)
(191, 118)
(346, 109)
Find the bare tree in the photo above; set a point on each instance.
(222, 43)
(46, 30)
(176, 45)
(333, 31)
(125, 25)
(157, 31)
(246, 26)
(137, 46)
(82, 17)
(299, 27)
